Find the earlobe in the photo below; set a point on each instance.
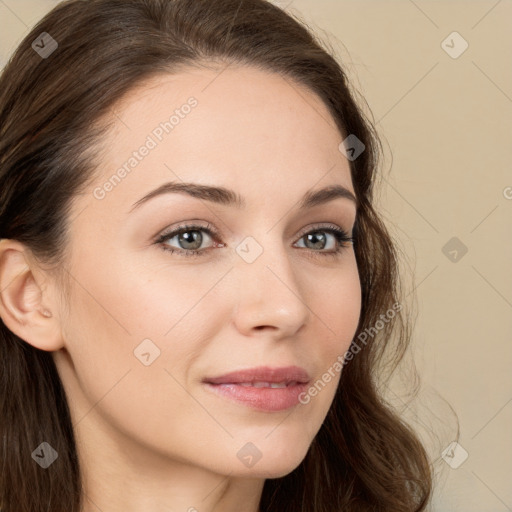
(22, 309)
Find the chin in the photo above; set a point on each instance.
(276, 462)
(278, 471)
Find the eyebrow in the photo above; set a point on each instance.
(225, 196)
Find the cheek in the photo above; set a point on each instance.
(131, 313)
(125, 371)
(335, 299)
(337, 304)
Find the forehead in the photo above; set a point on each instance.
(238, 126)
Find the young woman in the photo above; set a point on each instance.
(196, 291)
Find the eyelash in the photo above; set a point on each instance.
(342, 239)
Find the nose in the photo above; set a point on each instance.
(270, 296)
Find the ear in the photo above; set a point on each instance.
(23, 308)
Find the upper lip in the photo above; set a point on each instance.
(286, 374)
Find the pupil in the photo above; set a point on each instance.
(195, 239)
(314, 237)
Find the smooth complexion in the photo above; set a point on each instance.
(154, 437)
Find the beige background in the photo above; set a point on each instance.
(446, 123)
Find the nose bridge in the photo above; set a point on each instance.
(270, 295)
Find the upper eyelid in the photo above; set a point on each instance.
(166, 233)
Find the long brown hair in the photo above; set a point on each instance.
(365, 457)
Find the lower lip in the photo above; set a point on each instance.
(263, 399)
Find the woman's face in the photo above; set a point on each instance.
(147, 330)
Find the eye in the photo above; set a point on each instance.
(189, 239)
(317, 240)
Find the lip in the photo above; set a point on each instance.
(234, 386)
(263, 374)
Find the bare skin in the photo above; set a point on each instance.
(153, 437)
